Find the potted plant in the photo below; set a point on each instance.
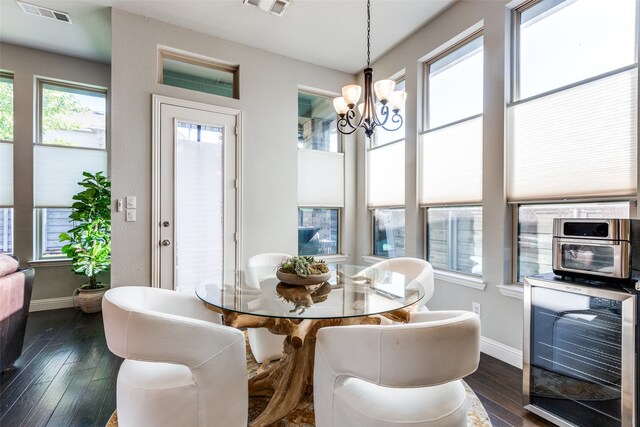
(302, 270)
(89, 241)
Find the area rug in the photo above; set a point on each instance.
(303, 415)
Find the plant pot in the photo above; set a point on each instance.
(89, 300)
(294, 279)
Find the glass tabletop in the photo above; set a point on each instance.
(352, 291)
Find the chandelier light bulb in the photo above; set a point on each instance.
(384, 89)
(396, 100)
(351, 94)
(340, 105)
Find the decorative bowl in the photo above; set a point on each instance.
(294, 279)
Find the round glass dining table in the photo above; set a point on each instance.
(255, 298)
(352, 291)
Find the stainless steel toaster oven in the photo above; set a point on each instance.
(600, 249)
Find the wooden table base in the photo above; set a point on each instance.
(286, 379)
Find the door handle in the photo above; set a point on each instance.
(166, 242)
(166, 224)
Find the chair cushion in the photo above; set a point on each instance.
(8, 265)
(357, 402)
(153, 394)
(155, 375)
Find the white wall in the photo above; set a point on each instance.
(268, 100)
(501, 315)
(52, 280)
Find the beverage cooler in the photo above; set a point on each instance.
(580, 357)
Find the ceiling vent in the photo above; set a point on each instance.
(45, 12)
(275, 7)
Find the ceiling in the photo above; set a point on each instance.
(329, 33)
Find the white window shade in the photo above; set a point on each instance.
(6, 174)
(577, 143)
(451, 164)
(320, 179)
(57, 171)
(386, 175)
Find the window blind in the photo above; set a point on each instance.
(386, 175)
(320, 179)
(57, 171)
(451, 164)
(580, 142)
(6, 174)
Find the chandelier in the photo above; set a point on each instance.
(370, 113)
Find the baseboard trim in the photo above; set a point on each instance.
(501, 352)
(51, 303)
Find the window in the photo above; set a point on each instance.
(317, 123)
(197, 74)
(572, 124)
(72, 140)
(454, 239)
(320, 176)
(561, 42)
(385, 184)
(388, 232)
(535, 230)
(51, 222)
(318, 231)
(6, 230)
(6, 163)
(6, 106)
(72, 116)
(451, 158)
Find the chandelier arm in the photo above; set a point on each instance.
(345, 123)
(396, 118)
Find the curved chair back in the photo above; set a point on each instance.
(413, 268)
(437, 347)
(255, 275)
(159, 325)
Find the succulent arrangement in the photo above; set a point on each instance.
(303, 266)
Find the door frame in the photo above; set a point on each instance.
(157, 102)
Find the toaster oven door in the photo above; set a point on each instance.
(591, 257)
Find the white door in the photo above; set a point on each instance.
(196, 195)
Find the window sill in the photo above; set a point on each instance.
(57, 262)
(460, 279)
(512, 290)
(333, 258)
(372, 259)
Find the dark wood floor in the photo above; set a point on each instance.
(67, 376)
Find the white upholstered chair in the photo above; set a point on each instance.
(264, 345)
(414, 269)
(396, 375)
(182, 368)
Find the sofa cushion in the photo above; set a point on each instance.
(8, 265)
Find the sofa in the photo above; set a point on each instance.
(15, 296)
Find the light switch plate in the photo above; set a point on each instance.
(131, 215)
(131, 202)
(119, 205)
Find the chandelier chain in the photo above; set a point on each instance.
(368, 33)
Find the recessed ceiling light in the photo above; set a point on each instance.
(275, 7)
(45, 12)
